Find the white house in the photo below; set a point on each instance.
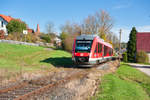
(58, 40)
(4, 20)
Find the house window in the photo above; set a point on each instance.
(2, 24)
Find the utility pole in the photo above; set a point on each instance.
(120, 31)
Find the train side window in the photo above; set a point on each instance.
(96, 49)
(105, 50)
(100, 48)
(109, 51)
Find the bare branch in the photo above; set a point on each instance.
(50, 27)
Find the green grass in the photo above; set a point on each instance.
(126, 84)
(13, 57)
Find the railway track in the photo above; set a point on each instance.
(30, 89)
(33, 89)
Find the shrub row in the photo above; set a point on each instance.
(141, 57)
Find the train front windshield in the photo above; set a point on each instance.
(83, 46)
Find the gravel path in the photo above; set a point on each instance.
(141, 67)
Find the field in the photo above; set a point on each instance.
(126, 84)
(30, 58)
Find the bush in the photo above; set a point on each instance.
(63, 36)
(29, 38)
(2, 34)
(14, 36)
(46, 38)
(142, 57)
(68, 43)
(9, 37)
(16, 26)
(21, 37)
(125, 58)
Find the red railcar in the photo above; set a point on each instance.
(90, 49)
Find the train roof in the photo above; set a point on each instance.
(91, 37)
(86, 37)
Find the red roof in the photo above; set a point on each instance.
(30, 30)
(6, 18)
(143, 41)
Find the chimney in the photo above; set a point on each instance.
(38, 29)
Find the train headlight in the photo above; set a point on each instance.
(81, 54)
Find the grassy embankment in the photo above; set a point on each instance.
(30, 58)
(126, 84)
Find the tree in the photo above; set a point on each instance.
(100, 23)
(69, 32)
(45, 37)
(51, 35)
(63, 37)
(50, 27)
(90, 25)
(16, 26)
(125, 59)
(105, 22)
(131, 46)
(115, 42)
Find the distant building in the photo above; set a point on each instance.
(58, 41)
(143, 42)
(4, 20)
(37, 30)
(30, 30)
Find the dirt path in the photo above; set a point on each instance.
(142, 67)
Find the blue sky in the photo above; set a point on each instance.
(126, 13)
